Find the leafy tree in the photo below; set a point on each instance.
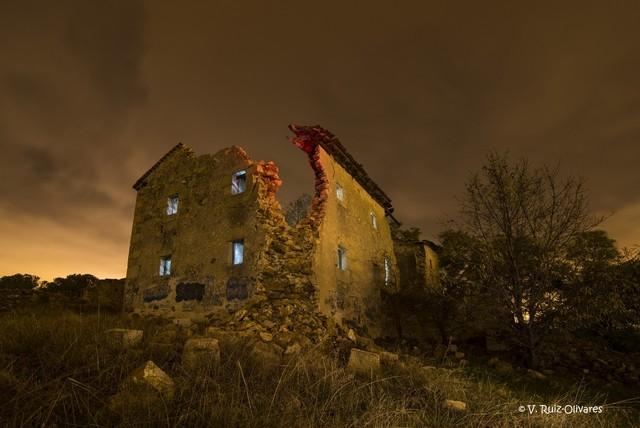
(19, 281)
(73, 285)
(512, 242)
(603, 293)
(475, 307)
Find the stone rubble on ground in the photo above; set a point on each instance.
(148, 387)
(149, 375)
(125, 338)
(201, 352)
(459, 406)
(389, 358)
(363, 361)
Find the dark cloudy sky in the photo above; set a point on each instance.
(92, 93)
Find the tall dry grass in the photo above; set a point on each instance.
(56, 369)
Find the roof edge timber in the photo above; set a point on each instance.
(332, 145)
(142, 180)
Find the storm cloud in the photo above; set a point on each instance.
(93, 93)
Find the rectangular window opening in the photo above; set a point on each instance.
(339, 192)
(342, 258)
(387, 271)
(165, 266)
(374, 220)
(239, 182)
(237, 252)
(172, 205)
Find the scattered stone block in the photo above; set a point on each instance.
(458, 406)
(389, 357)
(125, 338)
(351, 335)
(202, 352)
(146, 389)
(267, 337)
(459, 355)
(363, 361)
(151, 377)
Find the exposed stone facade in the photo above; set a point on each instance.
(207, 245)
(417, 263)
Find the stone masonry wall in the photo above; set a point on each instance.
(351, 297)
(198, 237)
(293, 284)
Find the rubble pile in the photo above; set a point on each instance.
(283, 308)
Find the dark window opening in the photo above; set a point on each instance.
(237, 289)
(189, 291)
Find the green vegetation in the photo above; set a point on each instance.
(57, 369)
(524, 261)
(18, 281)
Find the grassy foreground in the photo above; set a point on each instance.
(56, 369)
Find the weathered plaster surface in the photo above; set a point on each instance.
(289, 283)
(198, 237)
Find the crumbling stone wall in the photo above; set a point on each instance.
(289, 284)
(352, 297)
(417, 263)
(198, 237)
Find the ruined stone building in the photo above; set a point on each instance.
(209, 235)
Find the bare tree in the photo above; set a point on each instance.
(522, 222)
(297, 210)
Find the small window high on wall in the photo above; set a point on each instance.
(342, 258)
(374, 220)
(237, 252)
(239, 182)
(172, 205)
(165, 266)
(387, 271)
(339, 192)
